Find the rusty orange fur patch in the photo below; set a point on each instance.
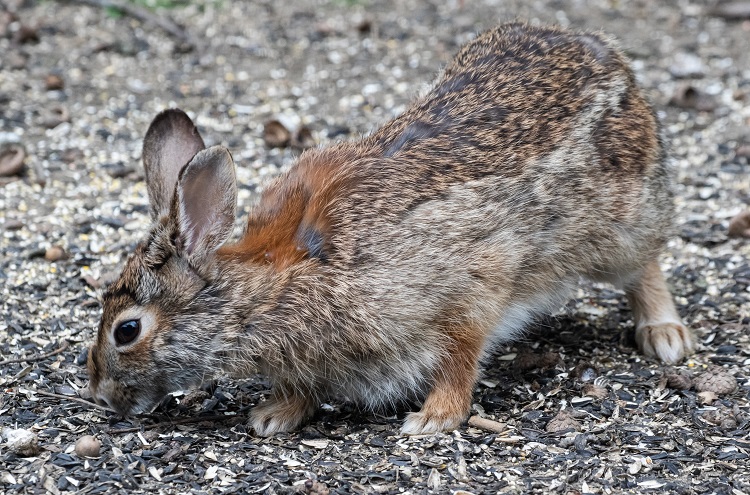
(456, 373)
(296, 201)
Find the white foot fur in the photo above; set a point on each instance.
(670, 342)
(280, 415)
(420, 423)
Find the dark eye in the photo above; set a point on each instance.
(127, 331)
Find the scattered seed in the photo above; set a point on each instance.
(433, 480)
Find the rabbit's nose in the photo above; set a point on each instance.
(98, 397)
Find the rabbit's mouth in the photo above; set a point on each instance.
(123, 399)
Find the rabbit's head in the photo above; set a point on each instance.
(162, 319)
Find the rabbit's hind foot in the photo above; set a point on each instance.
(659, 331)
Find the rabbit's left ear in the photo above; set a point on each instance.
(205, 203)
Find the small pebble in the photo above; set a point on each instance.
(26, 34)
(487, 424)
(54, 253)
(585, 372)
(313, 487)
(742, 151)
(88, 446)
(687, 65)
(526, 361)
(21, 442)
(691, 98)
(54, 116)
(732, 10)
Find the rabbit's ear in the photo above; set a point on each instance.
(170, 142)
(205, 203)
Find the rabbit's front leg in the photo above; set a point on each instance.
(285, 410)
(659, 331)
(449, 401)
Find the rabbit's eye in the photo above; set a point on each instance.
(127, 331)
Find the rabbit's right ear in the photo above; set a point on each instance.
(205, 204)
(171, 141)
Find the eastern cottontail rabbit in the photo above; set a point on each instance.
(384, 270)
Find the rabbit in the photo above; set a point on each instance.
(384, 270)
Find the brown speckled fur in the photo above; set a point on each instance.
(383, 270)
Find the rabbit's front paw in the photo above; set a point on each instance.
(670, 342)
(423, 423)
(445, 408)
(280, 414)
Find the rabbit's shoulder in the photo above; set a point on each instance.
(292, 220)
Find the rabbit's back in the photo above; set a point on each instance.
(517, 93)
(534, 143)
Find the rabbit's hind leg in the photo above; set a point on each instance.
(659, 331)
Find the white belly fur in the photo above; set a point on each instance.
(521, 313)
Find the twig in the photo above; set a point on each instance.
(487, 424)
(145, 16)
(64, 345)
(185, 421)
(76, 399)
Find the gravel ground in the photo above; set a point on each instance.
(571, 409)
